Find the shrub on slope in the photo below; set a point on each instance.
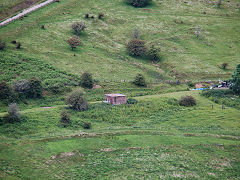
(14, 67)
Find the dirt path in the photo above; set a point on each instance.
(27, 11)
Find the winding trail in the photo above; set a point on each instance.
(25, 12)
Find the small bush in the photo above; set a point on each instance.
(100, 15)
(173, 101)
(139, 3)
(86, 16)
(140, 80)
(43, 27)
(2, 45)
(77, 101)
(65, 119)
(13, 114)
(6, 92)
(190, 84)
(21, 87)
(86, 80)
(136, 47)
(19, 45)
(224, 66)
(78, 27)
(187, 101)
(14, 42)
(132, 101)
(87, 125)
(153, 53)
(74, 42)
(35, 89)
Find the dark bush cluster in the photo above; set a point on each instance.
(21, 89)
(86, 80)
(140, 81)
(139, 3)
(77, 101)
(137, 47)
(65, 119)
(28, 88)
(187, 101)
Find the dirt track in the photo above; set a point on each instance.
(27, 11)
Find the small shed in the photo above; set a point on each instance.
(115, 99)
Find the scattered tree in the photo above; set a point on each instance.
(77, 100)
(21, 87)
(140, 80)
(19, 45)
(139, 3)
(236, 80)
(65, 119)
(14, 42)
(35, 89)
(78, 27)
(153, 53)
(6, 93)
(100, 15)
(13, 113)
(2, 45)
(87, 125)
(136, 47)
(187, 101)
(74, 42)
(86, 16)
(43, 27)
(86, 80)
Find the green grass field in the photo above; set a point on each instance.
(153, 139)
(150, 140)
(103, 50)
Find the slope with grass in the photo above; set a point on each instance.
(151, 139)
(154, 138)
(169, 24)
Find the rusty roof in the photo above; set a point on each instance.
(115, 95)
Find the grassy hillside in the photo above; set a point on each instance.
(148, 140)
(155, 138)
(103, 51)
